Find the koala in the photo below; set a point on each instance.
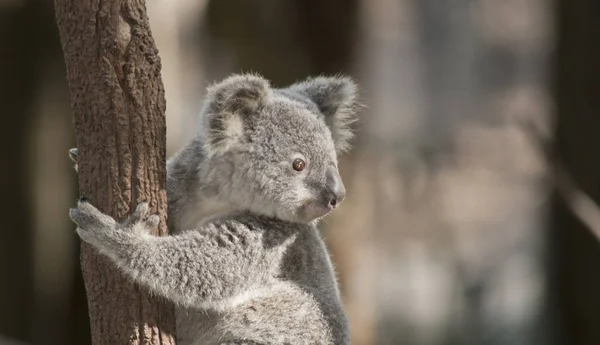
(244, 262)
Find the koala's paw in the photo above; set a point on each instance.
(93, 226)
(103, 231)
(140, 223)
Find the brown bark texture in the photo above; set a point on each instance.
(118, 103)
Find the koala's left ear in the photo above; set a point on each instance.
(336, 99)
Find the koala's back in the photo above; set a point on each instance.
(302, 306)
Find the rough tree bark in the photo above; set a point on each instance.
(118, 104)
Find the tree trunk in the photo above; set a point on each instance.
(118, 103)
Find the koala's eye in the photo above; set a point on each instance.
(298, 164)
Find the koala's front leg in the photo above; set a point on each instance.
(199, 268)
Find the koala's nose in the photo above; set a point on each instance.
(335, 188)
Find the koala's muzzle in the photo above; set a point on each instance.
(334, 188)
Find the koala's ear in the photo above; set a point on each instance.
(228, 105)
(336, 99)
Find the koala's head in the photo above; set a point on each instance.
(275, 150)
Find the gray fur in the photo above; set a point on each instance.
(73, 157)
(245, 263)
(336, 100)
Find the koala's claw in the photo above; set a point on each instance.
(140, 221)
(99, 229)
(86, 216)
(145, 226)
(152, 222)
(92, 225)
(138, 215)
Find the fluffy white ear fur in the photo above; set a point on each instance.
(226, 106)
(336, 99)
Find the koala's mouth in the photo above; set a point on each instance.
(314, 210)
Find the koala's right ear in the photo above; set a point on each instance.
(229, 103)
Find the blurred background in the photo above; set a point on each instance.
(470, 217)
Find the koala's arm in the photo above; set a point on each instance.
(196, 268)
